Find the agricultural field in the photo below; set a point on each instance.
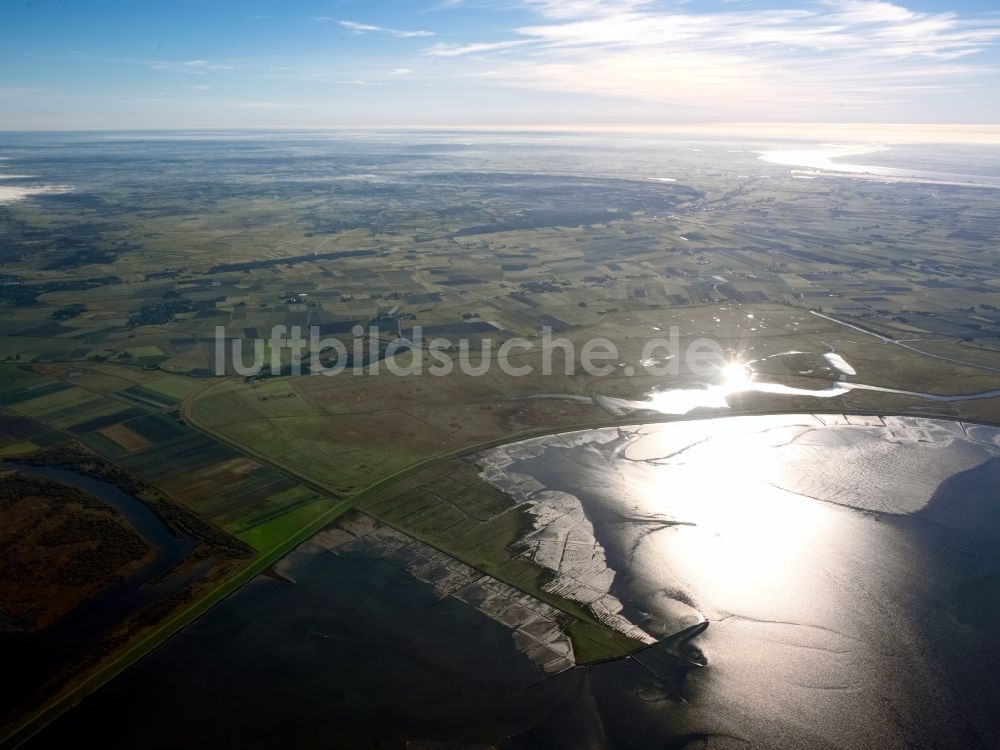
(474, 253)
(132, 417)
(349, 430)
(105, 490)
(133, 304)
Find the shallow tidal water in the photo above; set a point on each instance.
(847, 568)
(838, 561)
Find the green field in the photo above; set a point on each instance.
(111, 296)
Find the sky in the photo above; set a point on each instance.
(124, 64)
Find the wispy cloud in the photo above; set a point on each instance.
(266, 105)
(367, 28)
(356, 82)
(846, 54)
(873, 28)
(332, 72)
(195, 67)
(585, 8)
(455, 50)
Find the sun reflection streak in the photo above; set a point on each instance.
(742, 538)
(735, 377)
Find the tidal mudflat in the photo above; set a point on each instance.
(847, 566)
(805, 581)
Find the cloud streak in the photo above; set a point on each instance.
(367, 28)
(457, 50)
(194, 67)
(848, 55)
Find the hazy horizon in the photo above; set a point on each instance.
(882, 133)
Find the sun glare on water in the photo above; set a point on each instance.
(736, 374)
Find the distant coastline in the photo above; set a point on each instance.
(820, 162)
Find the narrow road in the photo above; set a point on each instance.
(914, 349)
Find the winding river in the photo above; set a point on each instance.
(30, 659)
